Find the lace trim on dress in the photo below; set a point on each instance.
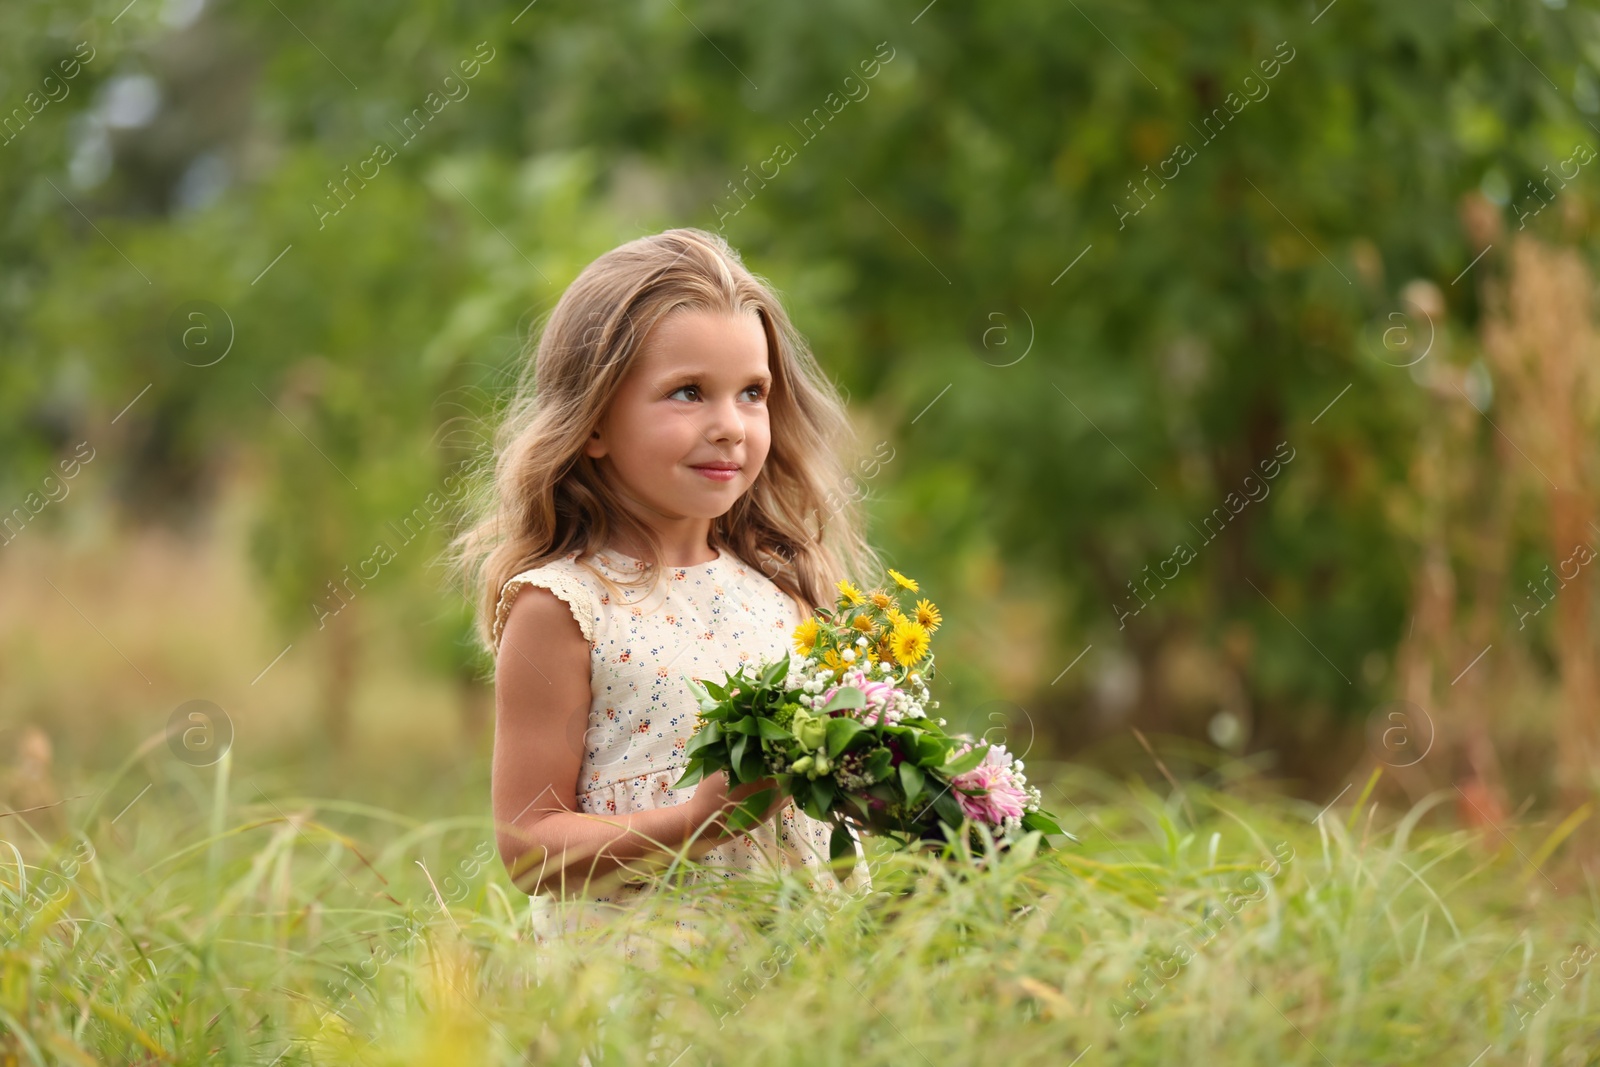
(569, 589)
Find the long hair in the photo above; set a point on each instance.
(544, 497)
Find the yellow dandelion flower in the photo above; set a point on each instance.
(862, 623)
(880, 600)
(831, 661)
(849, 593)
(909, 642)
(897, 618)
(928, 615)
(805, 637)
(902, 581)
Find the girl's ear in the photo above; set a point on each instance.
(594, 447)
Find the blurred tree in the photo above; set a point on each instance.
(1188, 224)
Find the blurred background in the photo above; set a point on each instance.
(1227, 375)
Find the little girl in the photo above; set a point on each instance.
(664, 505)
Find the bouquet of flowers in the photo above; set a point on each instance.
(842, 726)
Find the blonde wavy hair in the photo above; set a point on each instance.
(541, 497)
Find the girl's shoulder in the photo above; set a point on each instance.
(568, 579)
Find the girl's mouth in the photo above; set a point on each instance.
(718, 474)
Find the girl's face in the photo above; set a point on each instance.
(687, 433)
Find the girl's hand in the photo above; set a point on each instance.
(713, 798)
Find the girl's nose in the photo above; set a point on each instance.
(726, 424)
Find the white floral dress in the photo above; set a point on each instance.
(702, 622)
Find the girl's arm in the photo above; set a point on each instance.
(542, 703)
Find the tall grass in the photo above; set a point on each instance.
(218, 920)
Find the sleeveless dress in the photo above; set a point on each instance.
(700, 621)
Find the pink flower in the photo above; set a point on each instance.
(1001, 796)
(877, 694)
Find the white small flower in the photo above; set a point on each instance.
(848, 655)
(805, 700)
(861, 642)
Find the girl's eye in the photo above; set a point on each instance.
(760, 392)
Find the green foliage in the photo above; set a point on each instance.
(922, 233)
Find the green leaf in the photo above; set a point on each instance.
(930, 750)
(701, 694)
(776, 672)
(691, 774)
(1037, 820)
(948, 810)
(880, 762)
(860, 803)
(824, 789)
(967, 762)
(848, 697)
(811, 806)
(752, 767)
(911, 780)
(840, 732)
(842, 843)
(749, 810)
(771, 731)
(707, 735)
(718, 692)
(746, 725)
(740, 743)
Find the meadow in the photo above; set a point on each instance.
(205, 918)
